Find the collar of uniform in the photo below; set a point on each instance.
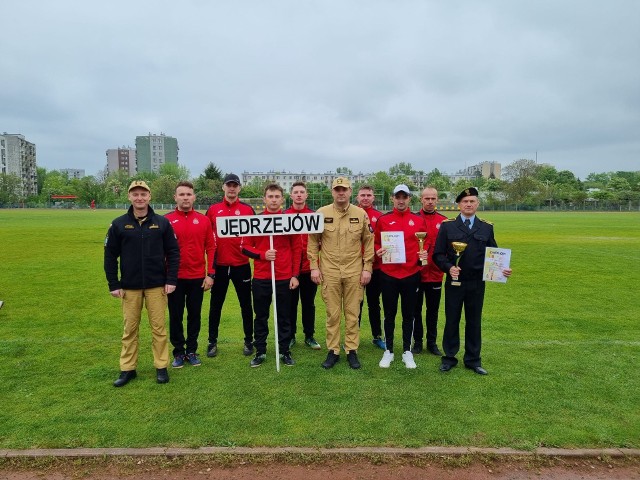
(228, 203)
(424, 212)
(341, 211)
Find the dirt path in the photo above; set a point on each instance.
(441, 468)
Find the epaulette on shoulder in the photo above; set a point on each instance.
(449, 220)
(485, 221)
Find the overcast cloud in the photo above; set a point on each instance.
(315, 85)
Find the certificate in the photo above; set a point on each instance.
(393, 242)
(496, 260)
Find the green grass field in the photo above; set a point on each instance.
(561, 343)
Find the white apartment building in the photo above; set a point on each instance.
(122, 158)
(18, 157)
(286, 179)
(73, 172)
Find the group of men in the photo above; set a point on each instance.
(158, 261)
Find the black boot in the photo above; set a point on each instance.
(124, 378)
(331, 360)
(162, 375)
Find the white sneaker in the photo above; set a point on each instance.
(387, 358)
(407, 358)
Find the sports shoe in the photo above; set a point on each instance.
(378, 342)
(193, 360)
(311, 342)
(258, 360)
(212, 350)
(352, 358)
(387, 358)
(417, 348)
(292, 342)
(162, 376)
(178, 361)
(247, 350)
(287, 360)
(407, 359)
(435, 350)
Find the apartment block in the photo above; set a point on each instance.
(18, 157)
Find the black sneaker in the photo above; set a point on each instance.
(287, 360)
(331, 360)
(212, 350)
(352, 358)
(258, 360)
(435, 350)
(247, 350)
(162, 375)
(417, 348)
(124, 378)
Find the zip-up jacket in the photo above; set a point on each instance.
(373, 215)
(289, 248)
(304, 268)
(430, 272)
(228, 252)
(149, 253)
(409, 223)
(195, 238)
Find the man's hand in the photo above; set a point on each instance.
(316, 276)
(270, 255)
(365, 278)
(169, 289)
(207, 283)
(117, 293)
(293, 283)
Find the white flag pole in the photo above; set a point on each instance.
(275, 306)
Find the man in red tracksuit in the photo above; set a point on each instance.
(306, 291)
(431, 281)
(399, 275)
(366, 199)
(284, 254)
(232, 265)
(195, 275)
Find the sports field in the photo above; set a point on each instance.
(561, 342)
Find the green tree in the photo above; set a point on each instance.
(175, 171)
(9, 188)
(212, 172)
(402, 168)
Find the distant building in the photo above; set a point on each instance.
(18, 157)
(73, 172)
(286, 179)
(153, 151)
(123, 158)
(485, 170)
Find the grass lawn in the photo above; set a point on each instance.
(561, 344)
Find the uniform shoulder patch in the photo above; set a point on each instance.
(448, 220)
(485, 221)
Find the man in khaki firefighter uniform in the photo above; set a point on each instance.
(341, 259)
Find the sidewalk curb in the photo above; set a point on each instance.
(364, 451)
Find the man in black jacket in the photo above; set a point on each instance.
(149, 258)
(464, 285)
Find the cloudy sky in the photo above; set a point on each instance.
(313, 85)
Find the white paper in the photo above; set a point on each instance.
(496, 260)
(393, 242)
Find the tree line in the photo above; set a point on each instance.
(525, 185)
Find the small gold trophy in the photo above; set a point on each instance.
(421, 236)
(459, 248)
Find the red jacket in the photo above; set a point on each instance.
(289, 247)
(228, 253)
(195, 239)
(430, 272)
(406, 222)
(373, 215)
(304, 268)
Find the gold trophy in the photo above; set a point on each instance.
(459, 248)
(421, 236)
